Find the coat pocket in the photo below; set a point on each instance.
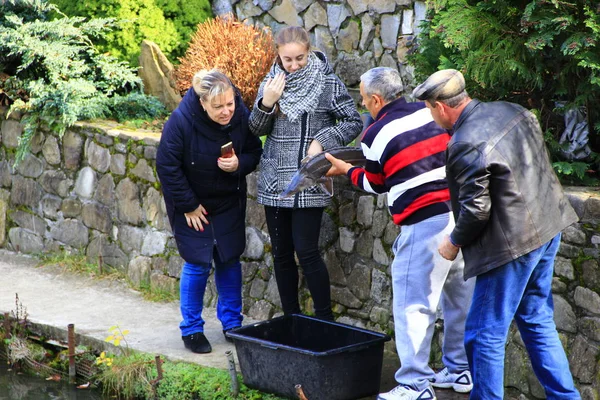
(267, 182)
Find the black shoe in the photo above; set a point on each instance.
(230, 340)
(197, 343)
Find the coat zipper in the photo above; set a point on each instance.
(301, 152)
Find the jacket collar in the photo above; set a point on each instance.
(392, 105)
(465, 113)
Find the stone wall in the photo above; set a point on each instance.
(356, 35)
(95, 191)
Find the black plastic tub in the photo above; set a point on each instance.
(329, 360)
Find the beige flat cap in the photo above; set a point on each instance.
(441, 85)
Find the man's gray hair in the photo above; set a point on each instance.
(383, 81)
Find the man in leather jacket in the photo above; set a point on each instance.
(510, 210)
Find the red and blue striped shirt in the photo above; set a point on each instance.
(405, 151)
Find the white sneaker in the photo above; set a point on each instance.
(460, 382)
(402, 392)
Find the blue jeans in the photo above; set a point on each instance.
(520, 290)
(228, 279)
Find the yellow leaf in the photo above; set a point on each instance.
(117, 341)
(125, 332)
(109, 338)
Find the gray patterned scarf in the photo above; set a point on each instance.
(302, 88)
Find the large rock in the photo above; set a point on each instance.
(144, 171)
(324, 42)
(26, 192)
(97, 216)
(154, 243)
(350, 66)
(85, 183)
(358, 6)
(366, 35)
(336, 15)
(359, 281)
(255, 246)
(5, 173)
(156, 210)
(98, 156)
(51, 150)
(390, 24)
(128, 202)
(55, 182)
(30, 166)
(51, 206)
(70, 232)
(139, 271)
(347, 39)
(286, 13)
(25, 241)
(157, 74)
(105, 191)
(11, 132)
(72, 149)
(131, 238)
(3, 207)
(336, 273)
(329, 232)
(315, 15)
(102, 250)
(221, 7)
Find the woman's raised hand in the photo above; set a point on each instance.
(273, 90)
(196, 218)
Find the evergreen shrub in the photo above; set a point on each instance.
(136, 20)
(243, 52)
(185, 15)
(52, 73)
(535, 53)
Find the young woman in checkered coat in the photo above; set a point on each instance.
(303, 108)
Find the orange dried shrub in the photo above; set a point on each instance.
(243, 52)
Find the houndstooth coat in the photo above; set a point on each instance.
(334, 122)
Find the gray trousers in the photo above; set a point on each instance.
(422, 280)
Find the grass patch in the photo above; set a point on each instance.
(156, 294)
(78, 263)
(73, 262)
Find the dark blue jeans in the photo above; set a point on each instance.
(520, 290)
(228, 279)
(297, 230)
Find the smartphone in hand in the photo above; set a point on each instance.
(227, 150)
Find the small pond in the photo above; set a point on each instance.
(15, 386)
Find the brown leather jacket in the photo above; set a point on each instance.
(506, 198)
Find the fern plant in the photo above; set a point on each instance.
(56, 75)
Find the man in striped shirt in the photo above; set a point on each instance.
(405, 151)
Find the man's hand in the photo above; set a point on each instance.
(447, 249)
(338, 167)
(196, 218)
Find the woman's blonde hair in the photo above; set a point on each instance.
(292, 34)
(210, 83)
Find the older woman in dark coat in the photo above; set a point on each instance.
(205, 196)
